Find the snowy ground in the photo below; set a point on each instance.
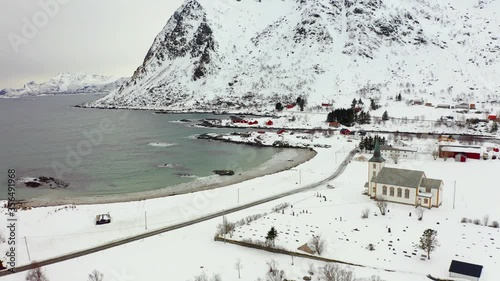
(338, 220)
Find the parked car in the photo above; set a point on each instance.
(102, 219)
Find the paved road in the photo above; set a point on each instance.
(337, 173)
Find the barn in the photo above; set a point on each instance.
(451, 151)
(465, 270)
(492, 117)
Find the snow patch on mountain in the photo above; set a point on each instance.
(247, 55)
(67, 83)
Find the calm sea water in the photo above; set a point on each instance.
(103, 152)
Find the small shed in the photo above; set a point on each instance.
(290, 106)
(269, 123)
(465, 270)
(472, 106)
(307, 249)
(492, 117)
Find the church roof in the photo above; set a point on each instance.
(399, 177)
(377, 157)
(431, 183)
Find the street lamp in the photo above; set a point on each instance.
(300, 175)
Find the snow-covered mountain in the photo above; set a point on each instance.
(249, 54)
(67, 83)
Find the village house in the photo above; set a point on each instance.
(393, 152)
(462, 106)
(447, 106)
(400, 185)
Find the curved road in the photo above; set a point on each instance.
(337, 173)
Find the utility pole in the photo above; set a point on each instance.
(454, 193)
(224, 227)
(238, 196)
(300, 177)
(292, 259)
(145, 221)
(27, 249)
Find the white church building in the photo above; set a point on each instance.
(400, 185)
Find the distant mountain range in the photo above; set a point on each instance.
(66, 84)
(248, 55)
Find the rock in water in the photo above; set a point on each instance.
(224, 172)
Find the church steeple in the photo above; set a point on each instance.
(377, 157)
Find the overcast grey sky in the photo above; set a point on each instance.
(109, 37)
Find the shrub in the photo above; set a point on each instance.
(477, 222)
(495, 224)
(464, 220)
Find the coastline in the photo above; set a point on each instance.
(282, 161)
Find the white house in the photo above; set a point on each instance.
(400, 185)
(393, 152)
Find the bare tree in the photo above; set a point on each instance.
(96, 276)
(428, 241)
(216, 277)
(36, 274)
(365, 213)
(335, 272)
(201, 277)
(419, 211)
(226, 227)
(435, 154)
(238, 266)
(381, 204)
(273, 273)
(318, 244)
(486, 219)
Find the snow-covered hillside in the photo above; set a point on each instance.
(227, 54)
(67, 83)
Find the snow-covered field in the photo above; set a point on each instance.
(338, 220)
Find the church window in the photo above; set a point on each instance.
(400, 192)
(392, 191)
(384, 190)
(407, 194)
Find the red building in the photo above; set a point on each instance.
(290, 106)
(492, 117)
(450, 151)
(269, 123)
